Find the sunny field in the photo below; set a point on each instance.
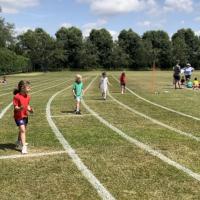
(144, 144)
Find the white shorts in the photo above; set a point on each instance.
(78, 99)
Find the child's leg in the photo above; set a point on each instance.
(77, 105)
(22, 134)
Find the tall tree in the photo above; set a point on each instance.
(161, 47)
(37, 45)
(191, 43)
(6, 33)
(131, 43)
(103, 41)
(71, 41)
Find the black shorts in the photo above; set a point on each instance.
(177, 77)
(187, 77)
(123, 84)
(23, 121)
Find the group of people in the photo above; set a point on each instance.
(180, 81)
(21, 101)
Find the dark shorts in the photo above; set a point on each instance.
(23, 121)
(177, 77)
(123, 84)
(187, 77)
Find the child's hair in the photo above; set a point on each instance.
(123, 73)
(21, 84)
(195, 78)
(104, 74)
(78, 78)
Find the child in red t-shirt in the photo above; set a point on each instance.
(123, 82)
(21, 108)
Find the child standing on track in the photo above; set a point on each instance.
(103, 85)
(21, 108)
(123, 82)
(78, 92)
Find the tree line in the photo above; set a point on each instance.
(36, 50)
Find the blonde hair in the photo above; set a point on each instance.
(78, 77)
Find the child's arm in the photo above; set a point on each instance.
(30, 109)
(74, 93)
(18, 108)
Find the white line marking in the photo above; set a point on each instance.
(71, 115)
(155, 121)
(8, 106)
(35, 86)
(102, 191)
(158, 105)
(144, 146)
(31, 155)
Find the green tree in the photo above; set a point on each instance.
(6, 33)
(71, 41)
(161, 48)
(131, 43)
(103, 42)
(36, 45)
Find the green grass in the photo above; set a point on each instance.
(125, 170)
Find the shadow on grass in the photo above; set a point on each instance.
(68, 111)
(8, 146)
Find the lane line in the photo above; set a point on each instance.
(102, 191)
(3, 112)
(155, 121)
(32, 155)
(158, 105)
(71, 115)
(143, 146)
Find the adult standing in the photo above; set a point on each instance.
(188, 71)
(176, 76)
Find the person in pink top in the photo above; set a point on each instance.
(21, 105)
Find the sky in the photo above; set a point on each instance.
(114, 15)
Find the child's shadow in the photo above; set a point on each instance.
(68, 112)
(8, 146)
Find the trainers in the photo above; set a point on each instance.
(78, 113)
(24, 149)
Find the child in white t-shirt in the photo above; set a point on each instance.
(103, 85)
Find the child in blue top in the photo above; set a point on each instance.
(78, 92)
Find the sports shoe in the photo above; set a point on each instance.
(78, 113)
(24, 149)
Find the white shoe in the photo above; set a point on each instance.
(24, 149)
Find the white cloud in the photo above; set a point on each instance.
(66, 25)
(21, 30)
(197, 33)
(86, 28)
(145, 23)
(14, 6)
(178, 5)
(114, 34)
(113, 7)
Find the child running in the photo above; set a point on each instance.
(123, 82)
(21, 108)
(103, 85)
(78, 92)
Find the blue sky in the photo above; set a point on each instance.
(115, 15)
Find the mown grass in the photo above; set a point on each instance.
(125, 170)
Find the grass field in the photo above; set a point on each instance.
(144, 144)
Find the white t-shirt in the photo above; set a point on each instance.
(188, 70)
(104, 83)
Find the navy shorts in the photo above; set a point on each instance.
(23, 121)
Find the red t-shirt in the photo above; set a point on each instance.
(122, 79)
(21, 100)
